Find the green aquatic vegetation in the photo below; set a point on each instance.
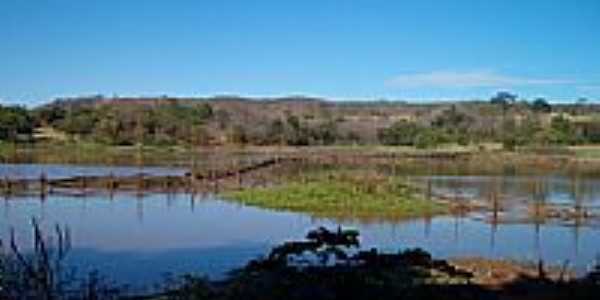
(343, 195)
(5, 149)
(590, 152)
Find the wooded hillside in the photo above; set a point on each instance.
(305, 121)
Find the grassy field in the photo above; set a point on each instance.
(586, 152)
(342, 195)
(5, 149)
(89, 153)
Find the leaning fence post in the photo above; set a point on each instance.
(43, 185)
(239, 177)
(429, 189)
(111, 182)
(140, 184)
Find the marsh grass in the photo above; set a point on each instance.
(335, 194)
(42, 273)
(90, 153)
(586, 152)
(6, 149)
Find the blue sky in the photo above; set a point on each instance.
(415, 50)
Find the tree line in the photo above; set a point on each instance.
(301, 122)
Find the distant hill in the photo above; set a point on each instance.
(298, 120)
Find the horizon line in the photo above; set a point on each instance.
(272, 97)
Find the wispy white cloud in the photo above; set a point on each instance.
(473, 79)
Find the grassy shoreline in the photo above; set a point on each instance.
(342, 195)
(583, 151)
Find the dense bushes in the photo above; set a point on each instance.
(14, 121)
(531, 132)
(404, 133)
(294, 132)
(166, 123)
(527, 132)
(298, 122)
(171, 122)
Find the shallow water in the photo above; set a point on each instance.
(58, 171)
(553, 189)
(135, 240)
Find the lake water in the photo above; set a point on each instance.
(135, 240)
(58, 171)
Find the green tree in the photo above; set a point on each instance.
(237, 135)
(204, 112)
(429, 138)
(401, 133)
(275, 133)
(79, 121)
(456, 124)
(562, 132)
(503, 98)
(14, 121)
(541, 105)
(325, 133)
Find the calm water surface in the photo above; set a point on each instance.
(57, 171)
(137, 240)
